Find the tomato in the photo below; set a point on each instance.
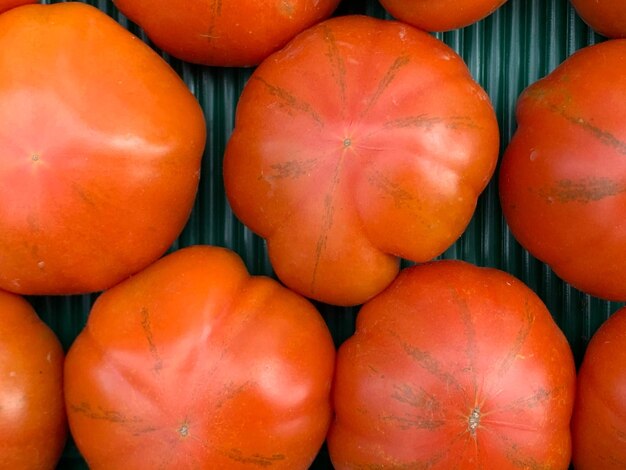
(33, 425)
(563, 175)
(453, 366)
(102, 143)
(8, 4)
(224, 32)
(607, 17)
(202, 364)
(360, 142)
(599, 421)
(441, 15)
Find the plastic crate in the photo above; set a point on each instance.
(507, 51)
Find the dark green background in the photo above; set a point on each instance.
(518, 44)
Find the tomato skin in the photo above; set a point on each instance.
(563, 174)
(102, 144)
(607, 17)
(231, 33)
(453, 366)
(360, 142)
(33, 424)
(441, 15)
(8, 4)
(599, 420)
(202, 364)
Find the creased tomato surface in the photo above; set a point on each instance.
(101, 147)
(231, 33)
(562, 180)
(193, 363)
(361, 142)
(453, 366)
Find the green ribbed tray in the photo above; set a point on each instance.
(518, 44)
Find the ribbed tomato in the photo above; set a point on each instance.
(607, 17)
(224, 32)
(33, 425)
(441, 15)
(362, 141)
(599, 421)
(193, 363)
(101, 147)
(453, 367)
(563, 175)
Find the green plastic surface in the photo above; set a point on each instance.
(518, 44)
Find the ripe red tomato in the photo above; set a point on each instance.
(192, 363)
(8, 4)
(224, 32)
(563, 175)
(362, 141)
(599, 421)
(101, 148)
(33, 425)
(453, 366)
(441, 15)
(607, 17)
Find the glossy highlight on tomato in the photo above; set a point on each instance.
(101, 148)
(193, 363)
(563, 175)
(231, 33)
(33, 424)
(361, 142)
(453, 366)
